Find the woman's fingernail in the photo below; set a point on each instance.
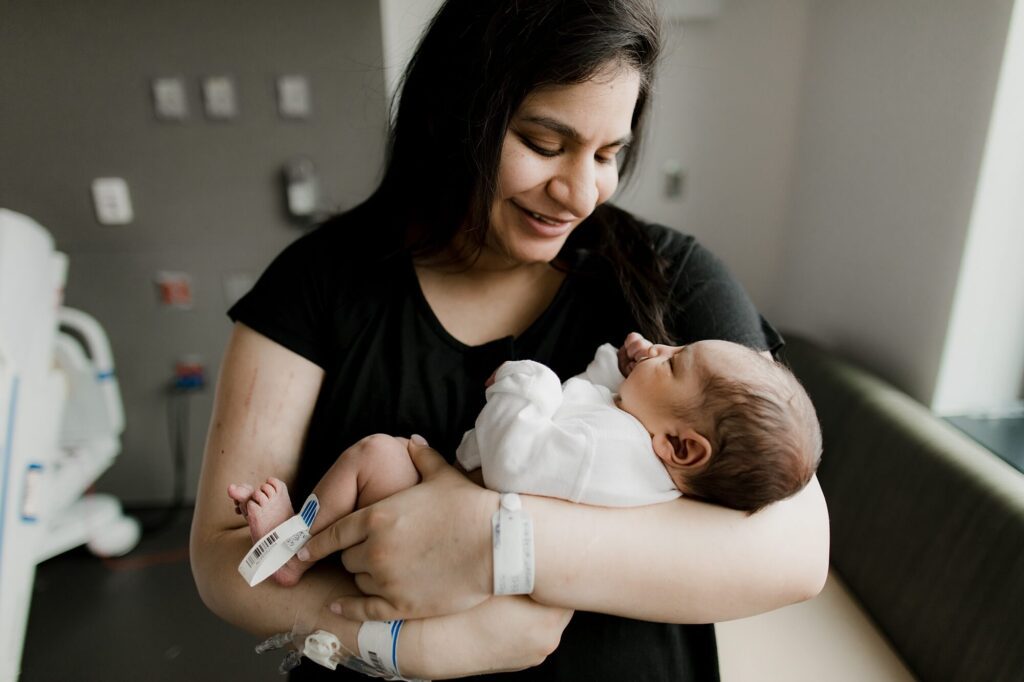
(418, 439)
(303, 554)
(335, 608)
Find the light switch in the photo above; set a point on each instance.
(169, 99)
(112, 201)
(219, 97)
(293, 99)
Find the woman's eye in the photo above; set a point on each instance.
(543, 151)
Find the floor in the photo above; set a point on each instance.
(134, 618)
(1002, 435)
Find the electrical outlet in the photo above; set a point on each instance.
(169, 99)
(293, 97)
(112, 201)
(220, 98)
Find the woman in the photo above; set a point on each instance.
(489, 239)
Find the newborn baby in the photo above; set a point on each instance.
(647, 423)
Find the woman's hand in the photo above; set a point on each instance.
(502, 634)
(634, 349)
(423, 552)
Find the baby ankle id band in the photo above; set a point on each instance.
(273, 550)
(512, 537)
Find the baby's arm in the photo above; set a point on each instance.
(517, 443)
(604, 370)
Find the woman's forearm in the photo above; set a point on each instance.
(683, 561)
(267, 608)
(502, 634)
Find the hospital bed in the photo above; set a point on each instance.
(61, 417)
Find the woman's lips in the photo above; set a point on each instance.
(543, 225)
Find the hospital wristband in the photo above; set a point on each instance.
(512, 537)
(378, 646)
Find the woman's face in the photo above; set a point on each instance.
(558, 163)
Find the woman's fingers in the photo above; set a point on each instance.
(424, 551)
(341, 534)
(426, 459)
(365, 608)
(356, 561)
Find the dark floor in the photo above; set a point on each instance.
(1002, 435)
(134, 618)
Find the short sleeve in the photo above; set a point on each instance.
(289, 304)
(707, 300)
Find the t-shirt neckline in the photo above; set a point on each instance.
(427, 314)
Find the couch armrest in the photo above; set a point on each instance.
(927, 525)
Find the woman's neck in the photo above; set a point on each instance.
(482, 302)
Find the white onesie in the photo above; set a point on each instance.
(568, 441)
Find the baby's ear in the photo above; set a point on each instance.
(689, 449)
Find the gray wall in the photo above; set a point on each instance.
(895, 111)
(832, 151)
(726, 108)
(75, 104)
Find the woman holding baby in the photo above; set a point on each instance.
(490, 239)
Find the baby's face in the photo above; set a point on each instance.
(673, 376)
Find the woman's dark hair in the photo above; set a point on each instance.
(476, 63)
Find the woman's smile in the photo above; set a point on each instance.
(558, 163)
(543, 225)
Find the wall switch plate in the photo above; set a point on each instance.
(112, 201)
(219, 97)
(169, 99)
(293, 100)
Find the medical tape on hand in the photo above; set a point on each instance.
(273, 550)
(512, 534)
(378, 646)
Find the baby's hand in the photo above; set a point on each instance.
(634, 349)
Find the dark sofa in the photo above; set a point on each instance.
(927, 525)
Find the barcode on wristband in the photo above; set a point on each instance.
(258, 551)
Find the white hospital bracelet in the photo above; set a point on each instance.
(512, 534)
(378, 646)
(273, 550)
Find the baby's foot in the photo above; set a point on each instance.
(265, 509)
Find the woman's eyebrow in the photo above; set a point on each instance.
(566, 130)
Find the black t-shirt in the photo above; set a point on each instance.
(347, 300)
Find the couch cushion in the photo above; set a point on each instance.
(927, 525)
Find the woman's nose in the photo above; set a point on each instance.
(575, 187)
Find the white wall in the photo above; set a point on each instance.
(402, 23)
(895, 110)
(726, 108)
(983, 360)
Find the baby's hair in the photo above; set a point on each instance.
(764, 434)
